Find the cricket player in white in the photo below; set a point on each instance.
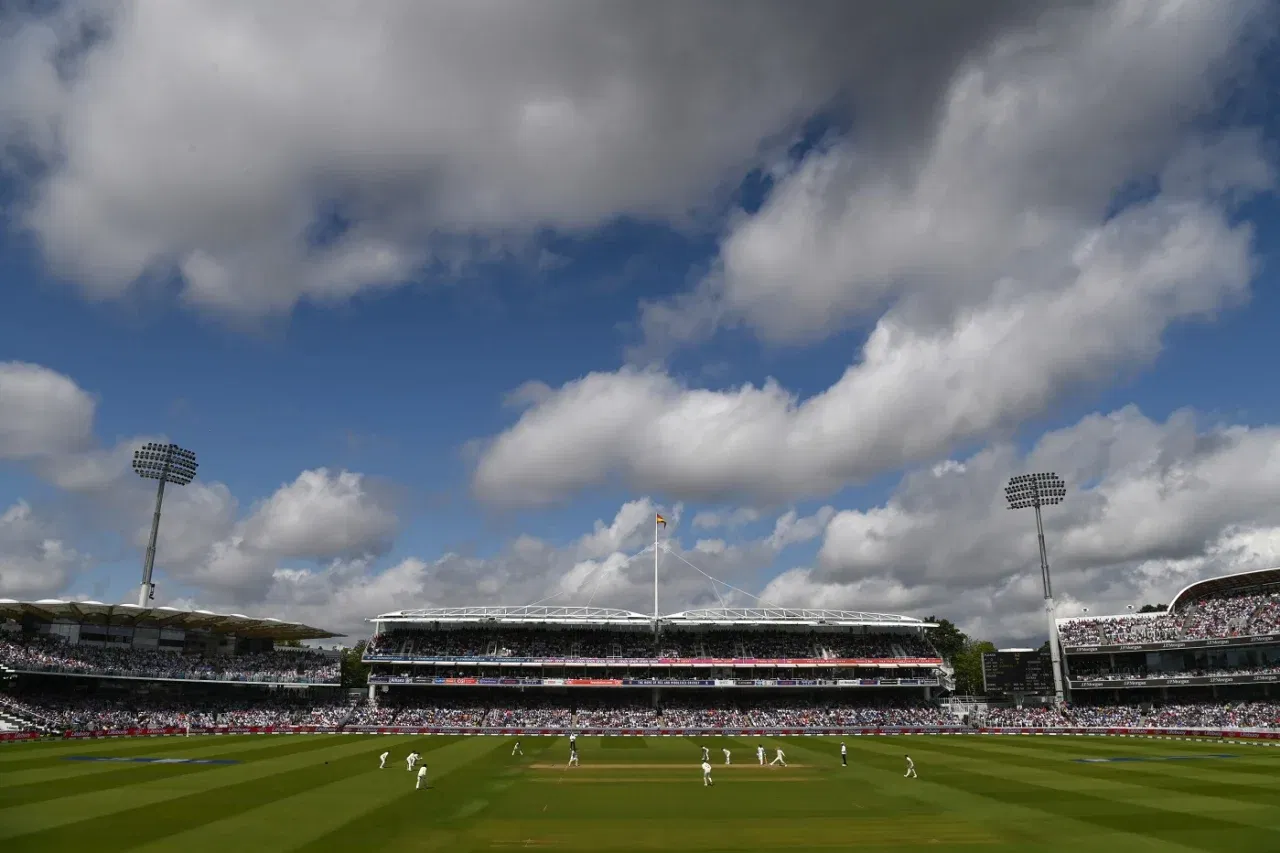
(779, 758)
(760, 754)
(706, 775)
(382, 761)
(410, 761)
(573, 756)
(517, 750)
(706, 754)
(911, 769)
(844, 755)
(726, 756)
(422, 778)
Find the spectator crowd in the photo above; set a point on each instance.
(552, 714)
(1209, 618)
(602, 644)
(1100, 672)
(53, 655)
(97, 711)
(1211, 715)
(130, 710)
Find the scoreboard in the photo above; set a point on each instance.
(1017, 672)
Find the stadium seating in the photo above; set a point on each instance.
(70, 711)
(1264, 715)
(52, 655)
(1210, 618)
(675, 713)
(1098, 671)
(603, 644)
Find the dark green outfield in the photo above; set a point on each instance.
(325, 793)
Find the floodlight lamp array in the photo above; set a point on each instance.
(167, 462)
(1028, 490)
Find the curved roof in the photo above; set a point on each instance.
(97, 613)
(1226, 585)
(790, 616)
(542, 614)
(526, 614)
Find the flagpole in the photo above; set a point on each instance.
(655, 573)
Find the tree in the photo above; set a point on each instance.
(1153, 608)
(355, 672)
(968, 666)
(289, 644)
(946, 638)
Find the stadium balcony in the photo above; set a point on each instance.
(600, 636)
(1233, 610)
(91, 640)
(1139, 676)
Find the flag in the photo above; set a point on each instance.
(662, 521)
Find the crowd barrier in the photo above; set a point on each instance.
(10, 737)
(533, 731)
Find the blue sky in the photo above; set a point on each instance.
(168, 266)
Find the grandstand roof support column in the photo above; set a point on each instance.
(167, 463)
(1035, 491)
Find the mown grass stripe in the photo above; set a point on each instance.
(131, 826)
(77, 813)
(294, 820)
(79, 779)
(1108, 773)
(381, 828)
(1110, 806)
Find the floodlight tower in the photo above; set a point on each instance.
(1037, 490)
(167, 463)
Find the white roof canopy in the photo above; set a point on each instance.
(545, 615)
(129, 615)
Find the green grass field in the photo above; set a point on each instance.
(325, 793)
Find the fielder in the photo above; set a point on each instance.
(573, 756)
(726, 756)
(422, 778)
(382, 760)
(517, 750)
(411, 760)
(706, 754)
(706, 775)
(779, 758)
(760, 754)
(911, 769)
(844, 755)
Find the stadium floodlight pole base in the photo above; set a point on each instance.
(1055, 656)
(144, 592)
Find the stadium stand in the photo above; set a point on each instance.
(84, 669)
(55, 710)
(1222, 634)
(1205, 714)
(54, 655)
(89, 666)
(94, 640)
(582, 665)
